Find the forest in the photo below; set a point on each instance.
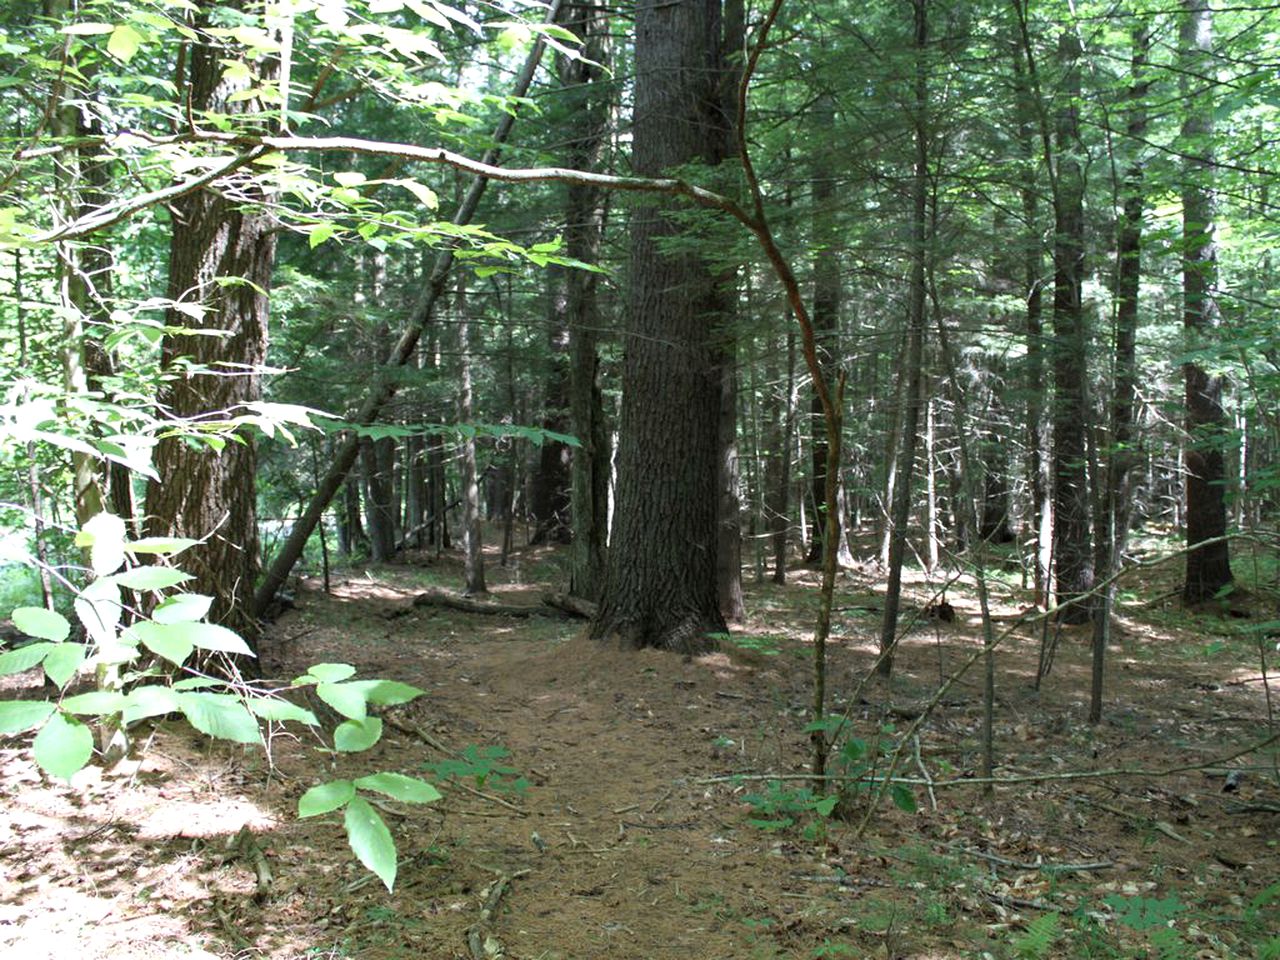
(683, 478)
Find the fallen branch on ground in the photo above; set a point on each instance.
(452, 601)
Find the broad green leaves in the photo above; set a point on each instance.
(63, 746)
(367, 833)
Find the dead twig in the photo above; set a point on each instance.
(481, 942)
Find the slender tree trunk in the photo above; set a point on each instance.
(549, 491)
(1208, 569)
(472, 546)
(1072, 516)
(385, 386)
(584, 80)
(778, 468)
(826, 321)
(1039, 533)
(913, 361)
(1121, 457)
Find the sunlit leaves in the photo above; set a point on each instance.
(63, 746)
(371, 840)
(41, 623)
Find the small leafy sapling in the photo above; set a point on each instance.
(129, 690)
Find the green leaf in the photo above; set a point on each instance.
(124, 42)
(24, 658)
(325, 797)
(143, 703)
(319, 233)
(902, 797)
(371, 840)
(387, 693)
(281, 711)
(88, 29)
(151, 578)
(198, 683)
(98, 608)
(210, 636)
(62, 663)
(17, 716)
(399, 787)
(347, 698)
(352, 736)
(164, 640)
(41, 623)
(183, 608)
(95, 703)
(220, 715)
(824, 806)
(326, 673)
(104, 535)
(63, 746)
(162, 546)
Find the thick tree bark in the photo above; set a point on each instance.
(661, 589)
(201, 494)
(1072, 515)
(1209, 566)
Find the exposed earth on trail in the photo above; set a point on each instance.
(611, 827)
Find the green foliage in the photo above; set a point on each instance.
(482, 765)
(220, 709)
(778, 807)
(1039, 937)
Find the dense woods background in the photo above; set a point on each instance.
(702, 294)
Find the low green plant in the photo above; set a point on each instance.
(143, 668)
(482, 765)
(1038, 939)
(856, 763)
(781, 808)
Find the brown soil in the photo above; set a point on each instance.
(629, 840)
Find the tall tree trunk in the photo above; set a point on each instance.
(1208, 566)
(781, 414)
(729, 501)
(378, 461)
(1072, 516)
(549, 489)
(1121, 457)
(826, 320)
(585, 80)
(472, 544)
(661, 589)
(1038, 533)
(913, 361)
(198, 494)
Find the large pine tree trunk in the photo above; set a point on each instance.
(198, 493)
(1208, 566)
(661, 589)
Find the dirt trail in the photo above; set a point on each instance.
(621, 846)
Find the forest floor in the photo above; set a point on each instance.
(613, 827)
